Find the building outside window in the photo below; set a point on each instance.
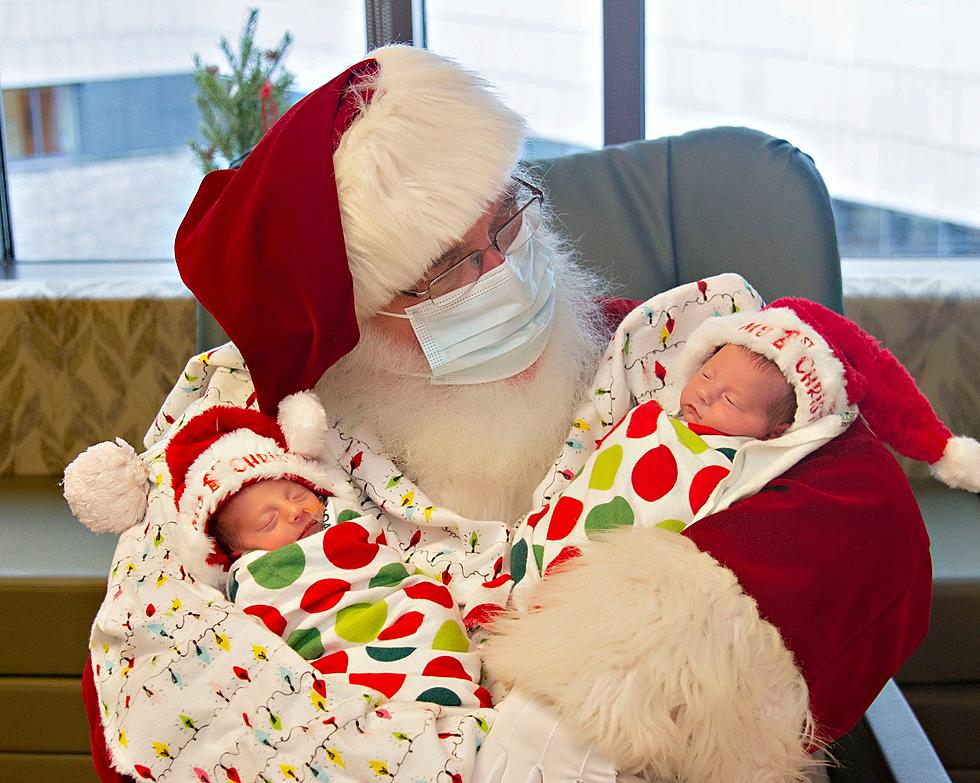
(40, 121)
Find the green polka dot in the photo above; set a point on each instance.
(451, 638)
(673, 525)
(279, 568)
(348, 514)
(389, 575)
(233, 587)
(518, 561)
(616, 513)
(389, 653)
(728, 452)
(539, 556)
(688, 438)
(604, 468)
(442, 696)
(306, 641)
(361, 622)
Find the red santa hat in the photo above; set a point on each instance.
(835, 366)
(213, 456)
(345, 201)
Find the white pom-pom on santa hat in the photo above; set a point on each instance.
(959, 466)
(106, 487)
(304, 423)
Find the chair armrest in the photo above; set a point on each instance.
(904, 746)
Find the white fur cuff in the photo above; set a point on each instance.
(648, 648)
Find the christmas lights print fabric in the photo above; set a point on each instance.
(346, 602)
(650, 469)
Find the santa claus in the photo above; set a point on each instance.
(383, 245)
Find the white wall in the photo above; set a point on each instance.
(61, 41)
(884, 94)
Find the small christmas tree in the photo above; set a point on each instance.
(237, 108)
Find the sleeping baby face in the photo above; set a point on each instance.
(739, 392)
(267, 515)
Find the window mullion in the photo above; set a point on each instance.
(391, 21)
(6, 228)
(623, 68)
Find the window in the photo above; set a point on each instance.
(545, 58)
(98, 111)
(883, 96)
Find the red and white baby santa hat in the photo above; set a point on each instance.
(833, 365)
(212, 457)
(347, 200)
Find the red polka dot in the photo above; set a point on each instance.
(431, 591)
(481, 614)
(323, 595)
(335, 663)
(269, 615)
(404, 626)
(566, 554)
(563, 519)
(643, 420)
(483, 695)
(704, 482)
(654, 474)
(533, 520)
(500, 580)
(446, 666)
(346, 546)
(388, 684)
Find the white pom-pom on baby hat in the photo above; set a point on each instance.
(304, 423)
(960, 464)
(106, 487)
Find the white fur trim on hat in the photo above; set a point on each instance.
(416, 169)
(959, 466)
(803, 356)
(651, 650)
(106, 487)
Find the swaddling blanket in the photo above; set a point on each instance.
(650, 469)
(348, 603)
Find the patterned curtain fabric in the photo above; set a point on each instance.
(74, 372)
(936, 335)
(77, 371)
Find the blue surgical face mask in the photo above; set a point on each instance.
(493, 330)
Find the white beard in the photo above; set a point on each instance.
(479, 450)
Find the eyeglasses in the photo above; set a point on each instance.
(521, 218)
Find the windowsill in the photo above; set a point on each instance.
(953, 277)
(92, 280)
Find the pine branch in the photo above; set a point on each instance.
(231, 105)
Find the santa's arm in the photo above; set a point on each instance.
(690, 656)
